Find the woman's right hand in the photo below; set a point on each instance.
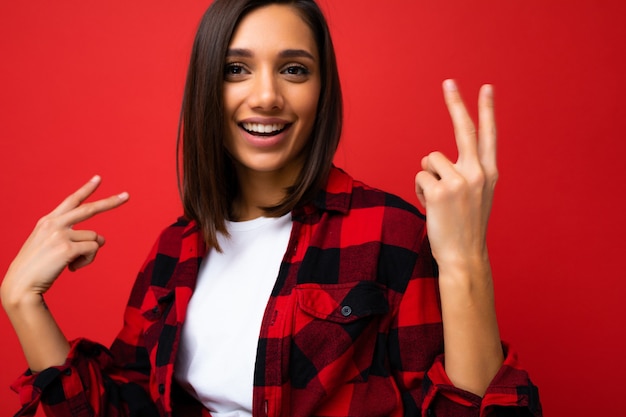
(54, 244)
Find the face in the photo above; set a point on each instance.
(271, 89)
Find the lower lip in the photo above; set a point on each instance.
(264, 141)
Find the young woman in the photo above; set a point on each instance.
(288, 288)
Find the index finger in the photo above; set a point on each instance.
(77, 197)
(464, 129)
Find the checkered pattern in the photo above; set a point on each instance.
(353, 327)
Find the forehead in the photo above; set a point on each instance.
(273, 27)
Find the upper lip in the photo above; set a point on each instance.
(265, 121)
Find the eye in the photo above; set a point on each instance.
(234, 70)
(296, 70)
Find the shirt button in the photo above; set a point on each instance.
(346, 311)
(161, 388)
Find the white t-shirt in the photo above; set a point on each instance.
(217, 354)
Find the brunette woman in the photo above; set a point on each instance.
(288, 288)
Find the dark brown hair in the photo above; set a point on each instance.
(209, 182)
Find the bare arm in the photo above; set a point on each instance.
(52, 246)
(457, 198)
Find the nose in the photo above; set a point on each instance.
(265, 91)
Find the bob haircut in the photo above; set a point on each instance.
(209, 182)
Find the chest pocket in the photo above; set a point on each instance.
(342, 303)
(335, 332)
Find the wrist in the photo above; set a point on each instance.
(14, 299)
(465, 268)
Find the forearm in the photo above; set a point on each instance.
(42, 340)
(473, 350)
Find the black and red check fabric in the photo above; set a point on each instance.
(352, 328)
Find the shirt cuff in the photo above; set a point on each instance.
(58, 383)
(511, 387)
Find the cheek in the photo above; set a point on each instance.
(233, 97)
(308, 108)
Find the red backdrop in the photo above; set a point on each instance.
(95, 88)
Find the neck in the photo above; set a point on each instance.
(260, 189)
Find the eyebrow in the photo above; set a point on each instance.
(287, 53)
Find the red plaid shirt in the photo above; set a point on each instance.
(352, 328)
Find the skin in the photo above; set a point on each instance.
(53, 246)
(457, 198)
(273, 79)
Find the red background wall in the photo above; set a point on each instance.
(91, 88)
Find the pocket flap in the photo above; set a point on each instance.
(342, 303)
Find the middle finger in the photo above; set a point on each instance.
(89, 210)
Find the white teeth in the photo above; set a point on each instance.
(261, 128)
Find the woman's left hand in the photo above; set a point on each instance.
(458, 196)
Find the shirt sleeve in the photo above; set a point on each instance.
(510, 393)
(87, 384)
(417, 359)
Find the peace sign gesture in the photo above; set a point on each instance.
(54, 243)
(458, 196)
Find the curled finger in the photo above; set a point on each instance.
(424, 182)
(438, 165)
(85, 254)
(86, 236)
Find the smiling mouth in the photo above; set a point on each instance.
(259, 129)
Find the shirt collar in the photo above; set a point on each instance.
(337, 194)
